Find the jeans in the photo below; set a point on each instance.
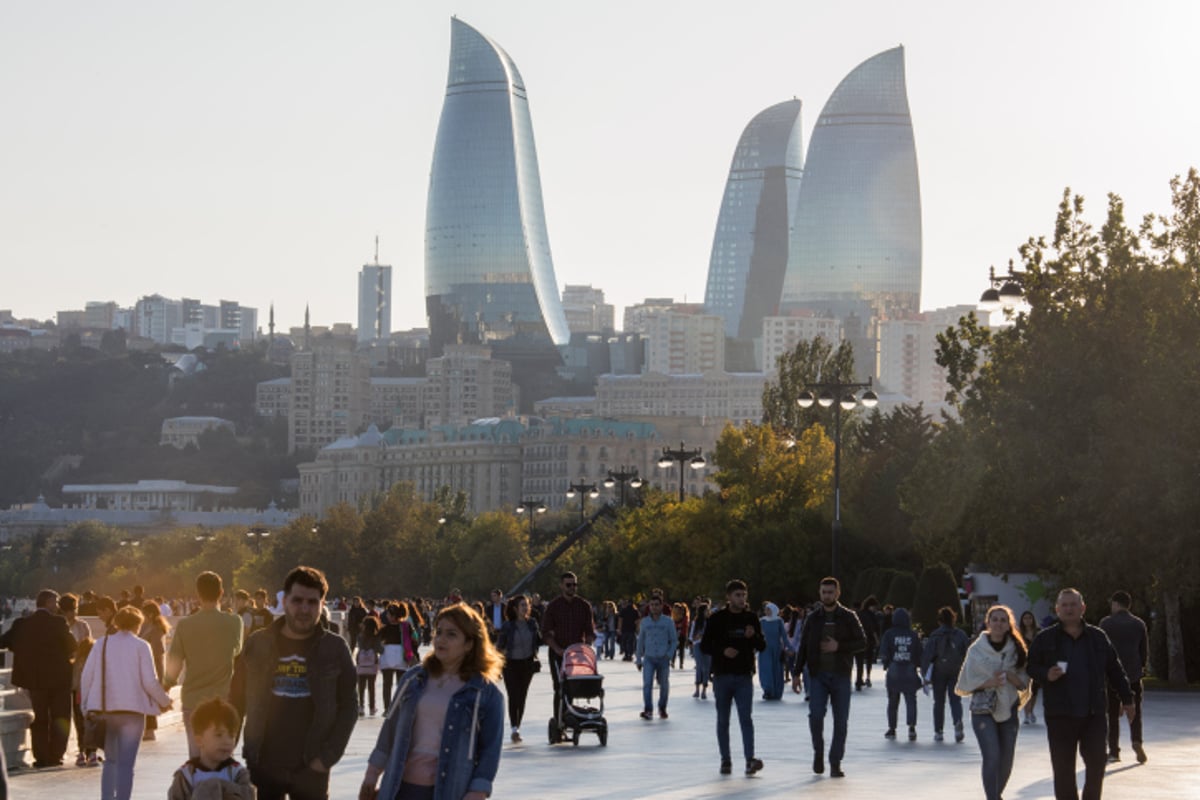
(943, 689)
(727, 690)
(703, 665)
(366, 686)
(825, 689)
(997, 745)
(1115, 714)
(301, 783)
(518, 673)
(1087, 735)
(610, 644)
(121, 743)
(893, 709)
(659, 668)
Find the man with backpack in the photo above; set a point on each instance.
(944, 652)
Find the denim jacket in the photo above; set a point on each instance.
(470, 741)
(656, 638)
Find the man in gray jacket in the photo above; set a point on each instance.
(1128, 635)
(656, 644)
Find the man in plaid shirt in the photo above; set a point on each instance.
(566, 621)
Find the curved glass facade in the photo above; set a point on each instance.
(856, 236)
(488, 269)
(750, 246)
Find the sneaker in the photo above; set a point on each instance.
(372, 712)
(646, 715)
(818, 763)
(937, 736)
(662, 713)
(858, 688)
(1032, 718)
(726, 767)
(958, 732)
(891, 733)
(835, 769)
(704, 694)
(753, 765)
(697, 692)
(81, 760)
(868, 683)
(1141, 752)
(1113, 758)
(912, 733)
(94, 759)
(515, 736)
(149, 736)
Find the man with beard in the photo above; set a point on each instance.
(568, 620)
(832, 635)
(731, 638)
(295, 687)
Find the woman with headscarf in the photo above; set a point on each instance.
(770, 661)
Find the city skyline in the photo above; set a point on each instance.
(256, 152)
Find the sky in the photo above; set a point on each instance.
(252, 151)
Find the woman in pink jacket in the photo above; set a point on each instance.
(119, 682)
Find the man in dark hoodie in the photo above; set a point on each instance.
(731, 638)
(832, 635)
(900, 652)
(941, 659)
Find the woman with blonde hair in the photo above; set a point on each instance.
(993, 676)
(442, 737)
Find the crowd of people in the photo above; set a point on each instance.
(291, 684)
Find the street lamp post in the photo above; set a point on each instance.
(685, 457)
(1002, 292)
(256, 535)
(621, 477)
(584, 490)
(840, 396)
(533, 507)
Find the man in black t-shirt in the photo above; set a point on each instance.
(627, 622)
(296, 728)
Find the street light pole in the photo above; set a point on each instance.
(585, 490)
(534, 507)
(840, 396)
(621, 477)
(685, 457)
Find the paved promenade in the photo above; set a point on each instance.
(677, 758)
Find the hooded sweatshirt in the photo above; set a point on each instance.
(900, 652)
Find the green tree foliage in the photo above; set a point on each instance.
(901, 591)
(1085, 457)
(816, 361)
(935, 588)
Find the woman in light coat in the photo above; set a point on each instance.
(119, 681)
(995, 666)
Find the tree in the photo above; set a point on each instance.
(936, 588)
(1084, 456)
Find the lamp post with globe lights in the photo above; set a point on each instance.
(621, 477)
(533, 508)
(584, 490)
(686, 458)
(843, 397)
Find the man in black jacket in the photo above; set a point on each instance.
(731, 638)
(1128, 634)
(295, 686)
(42, 647)
(832, 636)
(1072, 661)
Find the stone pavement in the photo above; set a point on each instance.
(677, 758)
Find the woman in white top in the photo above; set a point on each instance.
(119, 681)
(995, 669)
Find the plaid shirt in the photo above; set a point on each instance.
(568, 622)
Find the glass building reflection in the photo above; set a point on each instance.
(750, 247)
(488, 269)
(856, 236)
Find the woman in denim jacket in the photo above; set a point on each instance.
(443, 734)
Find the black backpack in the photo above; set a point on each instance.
(948, 654)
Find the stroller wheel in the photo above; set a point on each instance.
(555, 733)
(603, 733)
(575, 738)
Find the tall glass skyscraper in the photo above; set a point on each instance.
(856, 236)
(750, 247)
(488, 270)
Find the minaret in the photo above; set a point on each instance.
(271, 328)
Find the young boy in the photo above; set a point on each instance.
(214, 774)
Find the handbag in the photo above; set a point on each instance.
(95, 725)
(983, 701)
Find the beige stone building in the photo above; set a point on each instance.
(466, 384)
(714, 395)
(330, 393)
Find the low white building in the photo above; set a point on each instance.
(147, 495)
(181, 431)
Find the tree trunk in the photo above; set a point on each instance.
(1176, 665)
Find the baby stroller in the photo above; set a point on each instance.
(581, 702)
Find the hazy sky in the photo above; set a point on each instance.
(225, 149)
